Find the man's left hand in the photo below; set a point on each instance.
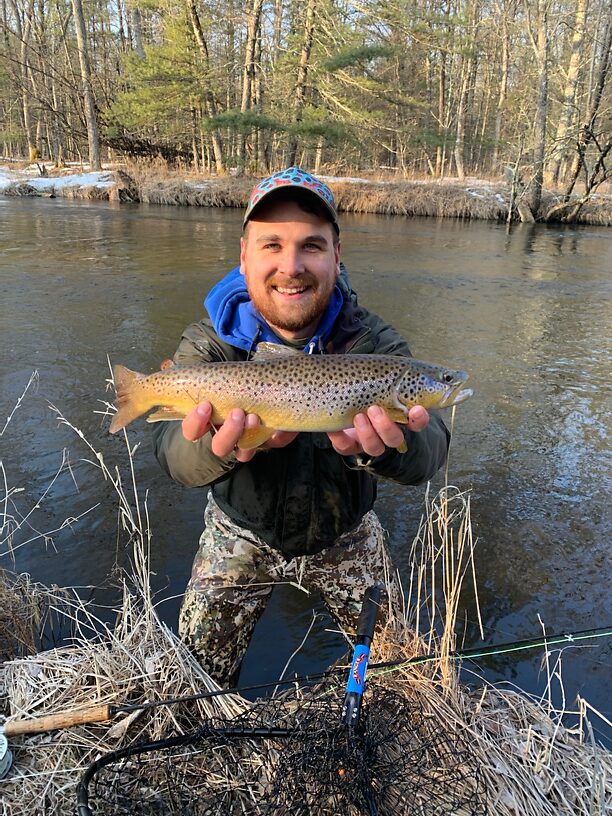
(375, 431)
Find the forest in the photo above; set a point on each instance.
(435, 88)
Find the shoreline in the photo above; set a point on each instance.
(473, 198)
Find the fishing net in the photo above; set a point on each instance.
(291, 754)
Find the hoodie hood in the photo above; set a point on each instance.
(238, 323)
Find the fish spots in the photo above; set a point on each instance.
(299, 391)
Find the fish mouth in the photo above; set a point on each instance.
(461, 396)
(455, 394)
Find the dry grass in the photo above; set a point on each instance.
(435, 199)
(153, 183)
(532, 765)
(23, 606)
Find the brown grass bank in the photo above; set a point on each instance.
(475, 199)
(472, 199)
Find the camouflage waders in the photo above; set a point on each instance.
(234, 572)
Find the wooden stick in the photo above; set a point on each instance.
(54, 722)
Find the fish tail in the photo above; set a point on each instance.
(130, 403)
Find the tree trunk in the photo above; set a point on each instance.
(258, 104)
(91, 120)
(278, 28)
(302, 75)
(503, 87)
(209, 100)
(439, 171)
(466, 81)
(588, 128)
(459, 149)
(56, 141)
(23, 28)
(248, 73)
(569, 96)
(533, 193)
(137, 41)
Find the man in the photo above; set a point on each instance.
(300, 507)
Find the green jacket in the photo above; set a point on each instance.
(300, 498)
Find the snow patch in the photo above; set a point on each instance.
(101, 179)
(5, 180)
(348, 180)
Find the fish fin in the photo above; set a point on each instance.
(401, 407)
(267, 350)
(403, 448)
(167, 364)
(165, 415)
(129, 407)
(254, 437)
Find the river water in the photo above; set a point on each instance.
(526, 312)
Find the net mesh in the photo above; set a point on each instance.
(397, 761)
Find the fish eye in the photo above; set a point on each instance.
(447, 377)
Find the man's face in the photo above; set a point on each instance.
(290, 263)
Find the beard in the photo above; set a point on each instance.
(293, 317)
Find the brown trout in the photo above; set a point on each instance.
(288, 390)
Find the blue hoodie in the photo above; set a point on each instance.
(238, 322)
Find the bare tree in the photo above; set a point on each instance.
(302, 75)
(89, 104)
(533, 192)
(209, 99)
(568, 209)
(505, 11)
(467, 79)
(23, 29)
(248, 73)
(568, 110)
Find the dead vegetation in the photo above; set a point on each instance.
(526, 761)
(473, 199)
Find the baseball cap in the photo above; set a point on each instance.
(299, 179)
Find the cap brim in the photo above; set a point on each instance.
(268, 196)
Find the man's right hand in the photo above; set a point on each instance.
(225, 440)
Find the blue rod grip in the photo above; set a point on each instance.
(365, 632)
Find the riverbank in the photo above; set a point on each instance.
(134, 694)
(447, 198)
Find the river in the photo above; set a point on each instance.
(527, 312)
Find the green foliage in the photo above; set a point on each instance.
(357, 57)
(311, 130)
(160, 92)
(243, 122)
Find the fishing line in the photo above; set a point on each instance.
(500, 648)
(392, 665)
(101, 713)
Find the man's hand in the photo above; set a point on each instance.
(197, 423)
(374, 431)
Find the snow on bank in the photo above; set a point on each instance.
(101, 179)
(49, 184)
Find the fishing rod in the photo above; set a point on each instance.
(106, 711)
(361, 654)
(349, 754)
(566, 639)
